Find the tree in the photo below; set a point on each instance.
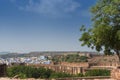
(105, 31)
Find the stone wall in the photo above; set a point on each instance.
(62, 68)
(106, 64)
(81, 64)
(115, 74)
(87, 78)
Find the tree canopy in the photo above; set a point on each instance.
(105, 31)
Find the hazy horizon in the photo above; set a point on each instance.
(43, 25)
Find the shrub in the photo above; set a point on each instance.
(22, 76)
(60, 75)
(98, 72)
(80, 75)
(28, 72)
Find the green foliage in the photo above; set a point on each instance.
(83, 59)
(105, 31)
(22, 76)
(60, 75)
(28, 72)
(71, 58)
(98, 72)
(80, 75)
(95, 72)
(75, 58)
(31, 72)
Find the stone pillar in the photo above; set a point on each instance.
(72, 70)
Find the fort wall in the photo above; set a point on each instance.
(62, 68)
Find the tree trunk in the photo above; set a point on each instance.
(119, 58)
(118, 54)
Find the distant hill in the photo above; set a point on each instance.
(46, 53)
(2, 53)
(10, 55)
(53, 53)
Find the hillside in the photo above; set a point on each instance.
(47, 53)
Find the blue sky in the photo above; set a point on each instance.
(43, 25)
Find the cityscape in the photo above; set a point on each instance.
(30, 60)
(59, 40)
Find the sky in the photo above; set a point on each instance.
(43, 25)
